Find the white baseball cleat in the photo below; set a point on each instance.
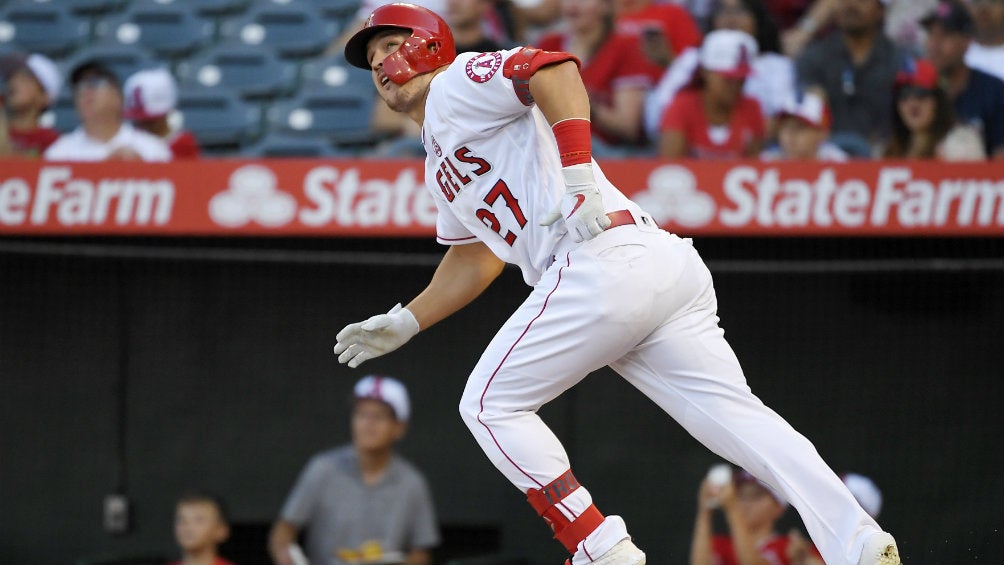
(623, 553)
(880, 549)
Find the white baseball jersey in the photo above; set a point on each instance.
(78, 146)
(635, 298)
(477, 132)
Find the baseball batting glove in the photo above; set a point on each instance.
(582, 204)
(376, 336)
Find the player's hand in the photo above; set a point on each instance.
(581, 206)
(376, 336)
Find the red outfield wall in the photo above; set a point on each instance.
(386, 198)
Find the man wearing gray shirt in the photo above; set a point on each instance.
(856, 67)
(361, 502)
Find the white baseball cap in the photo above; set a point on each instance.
(386, 389)
(865, 491)
(149, 94)
(811, 109)
(41, 67)
(729, 52)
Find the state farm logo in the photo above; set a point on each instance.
(482, 67)
(672, 196)
(253, 195)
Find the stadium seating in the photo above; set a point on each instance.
(167, 30)
(292, 29)
(341, 115)
(250, 71)
(61, 115)
(278, 145)
(219, 119)
(122, 61)
(90, 7)
(339, 11)
(213, 7)
(334, 72)
(49, 28)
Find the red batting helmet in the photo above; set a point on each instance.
(429, 47)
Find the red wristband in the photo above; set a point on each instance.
(574, 141)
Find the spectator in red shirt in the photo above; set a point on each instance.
(665, 30)
(32, 84)
(713, 119)
(150, 98)
(614, 71)
(751, 510)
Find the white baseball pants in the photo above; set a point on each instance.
(642, 301)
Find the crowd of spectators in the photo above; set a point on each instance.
(708, 79)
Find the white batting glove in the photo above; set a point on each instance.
(581, 206)
(376, 336)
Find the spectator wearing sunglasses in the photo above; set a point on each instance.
(103, 134)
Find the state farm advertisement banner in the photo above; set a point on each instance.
(387, 198)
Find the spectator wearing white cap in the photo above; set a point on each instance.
(712, 118)
(151, 96)
(751, 509)
(361, 502)
(31, 84)
(865, 491)
(803, 132)
(102, 134)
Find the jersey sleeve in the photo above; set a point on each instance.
(484, 91)
(450, 230)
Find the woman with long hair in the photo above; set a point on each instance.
(923, 123)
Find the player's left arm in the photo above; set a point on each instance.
(463, 274)
(561, 96)
(559, 92)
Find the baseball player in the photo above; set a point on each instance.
(509, 164)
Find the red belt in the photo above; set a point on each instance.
(622, 218)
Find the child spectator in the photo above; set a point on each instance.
(751, 510)
(150, 98)
(31, 84)
(200, 526)
(713, 119)
(803, 132)
(923, 124)
(616, 74)
(103, 134)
